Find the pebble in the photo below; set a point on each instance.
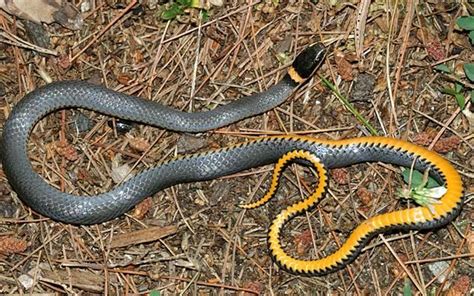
(191, 144)
(438, 269)
(7, 209)
(37, 34)
(363, 90)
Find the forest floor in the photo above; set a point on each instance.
(390, 61)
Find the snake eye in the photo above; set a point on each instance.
(309, 59)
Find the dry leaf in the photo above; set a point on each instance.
(142, 208)
(214, 281)
(142, 236)
(364, 195)
(45, 11)
(469, 114)
(11, 245)
(254, 286)
(439, 270)
(382, 24)
(64, 62)
(66, 150)
(124, 79)
(138, 57)
(436, 50)
(397, 269)
(344, 68)
(314, 22)
(217, 3)
(139, 144)
(461, 287)
(303, 242)
(470, 242)
(84, 280)
(443, 145)
(340, 176)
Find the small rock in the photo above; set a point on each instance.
(96, 78)
(7, 209)
(37, 34)
(26, 281)
(438, 269)
(85, 6)
(190, 144)
(363, 90)
(120, 173)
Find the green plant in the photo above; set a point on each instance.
(177, 8)
(421, 188)
(407, 291)
(349, 106)
(458, 91)
(467, 23)
(417, 179)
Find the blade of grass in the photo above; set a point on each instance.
(349, 106)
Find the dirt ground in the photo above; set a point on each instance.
(192, 239)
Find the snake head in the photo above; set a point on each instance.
(309, 60)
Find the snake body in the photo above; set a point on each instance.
(68, 208)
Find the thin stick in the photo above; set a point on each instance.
(109, 25)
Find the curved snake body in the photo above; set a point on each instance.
(68, 208)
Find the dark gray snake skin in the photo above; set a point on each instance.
(43, 198)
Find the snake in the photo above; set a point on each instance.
(318, 153)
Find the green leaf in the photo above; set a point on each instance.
(442, 68)
(461, 100)
(417, 179)
(349, 106)
(466, 22)
(171, 12)
(186, 3)
(154, 293)
(469, 70)
(449, 91)
(457, 87)
(204, 15)
(407, 288)
(471, 36)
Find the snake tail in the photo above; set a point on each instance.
(417, 218)
(373, 148)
